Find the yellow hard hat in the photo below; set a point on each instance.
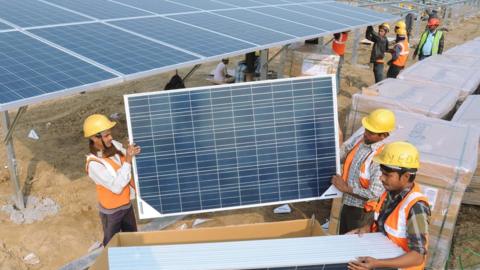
(399, 154)
(401, 32)
(385, 26)
(401, 25)
(379, 121)
(95, 124)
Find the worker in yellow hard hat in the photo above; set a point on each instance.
(109, 166)
(400, 52)
(380, 46)
(360, 179)
(402, 212)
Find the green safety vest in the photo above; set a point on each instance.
(436, 40)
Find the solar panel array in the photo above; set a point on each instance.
(128, 39)
(233, 146)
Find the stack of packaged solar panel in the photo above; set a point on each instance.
(449, 70)
(469, 113)
(411, 96)
(447, 165)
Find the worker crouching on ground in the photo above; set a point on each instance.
(431, 41)
(399, 54)
(402, 213)
(380, 46)
(109, 166)
(360, 179)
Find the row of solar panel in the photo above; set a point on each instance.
(34, 13)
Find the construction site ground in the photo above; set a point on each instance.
(53, 167)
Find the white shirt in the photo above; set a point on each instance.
(101, 176)
(220, 71)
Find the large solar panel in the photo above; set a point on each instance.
(233, 146)
(248, 32)
(132, 39)
(159, 6)
(122, 51)
(189, 37)
(32, 69)
(100, 9)
(27, 13)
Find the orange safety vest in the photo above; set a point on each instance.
(396, 224)
(338, 46)
(401, 61)
(105, 197)
(364, 177)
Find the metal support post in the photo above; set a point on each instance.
(263, 64)
(416, 28)
(356, 41)
(320, 45)
(12, 162)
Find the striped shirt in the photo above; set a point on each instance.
(417, 220)
(375, 189)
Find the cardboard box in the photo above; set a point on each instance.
(410, 96)
(311, 64)
(284, 229)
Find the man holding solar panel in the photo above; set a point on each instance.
(360, 179)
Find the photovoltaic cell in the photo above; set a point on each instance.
(158, 6)
(114, 48)
(274, 23)
(233, 146)
(243, 3)
(362, 14)
(247, 32)
(204, 4)
(191, 38)
(4, 26)
(29, 68)
(285, 13)
(316, 10)
(27, 13)
(100, 9)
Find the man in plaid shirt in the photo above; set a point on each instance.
(402, 213)
(360, 179)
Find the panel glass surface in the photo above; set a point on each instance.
(27, 13)
(100, 9)
(188, 37)
(158, 6)
(316, 21)
(274, 23)
(234, 146)
(204, 4)
(327, 14)
(4, 26)
(114, 48)
(30, 68)
(247, 32)
(354, 12)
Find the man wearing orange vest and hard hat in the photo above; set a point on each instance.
(431, 41)
(402, 213)
(109, 166)
(339, 43)
(399, 54)
(360, 179)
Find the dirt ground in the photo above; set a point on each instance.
(53, 167)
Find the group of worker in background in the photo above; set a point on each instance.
(431, 43)
(380, 193)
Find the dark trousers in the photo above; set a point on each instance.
(393, 71)
(120, 221)
(378, 72)
(353, 218)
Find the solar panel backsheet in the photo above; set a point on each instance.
(226, 147)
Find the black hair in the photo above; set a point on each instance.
(400, 171)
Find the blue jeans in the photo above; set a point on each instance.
(378, 72)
